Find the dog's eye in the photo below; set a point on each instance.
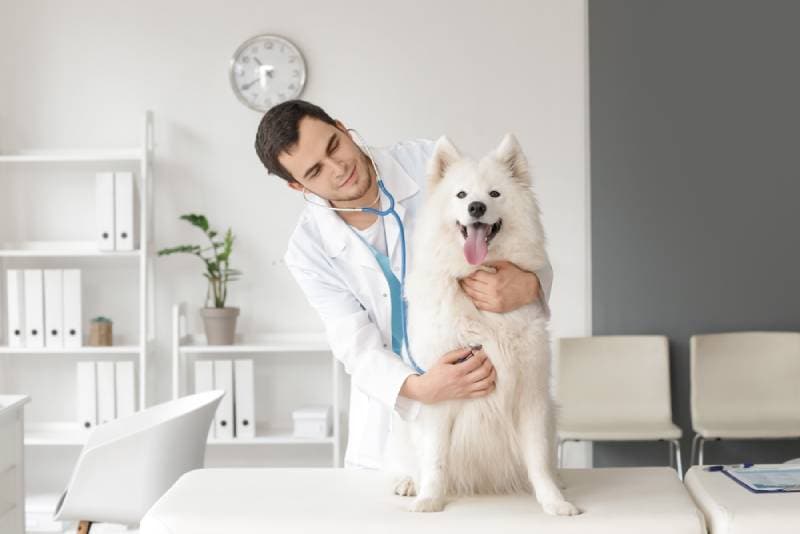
(461, 194)
(494, 194)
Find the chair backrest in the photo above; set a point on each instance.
(745, 376)
(127, 464)
(613, 379)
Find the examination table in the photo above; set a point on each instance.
(263, 501)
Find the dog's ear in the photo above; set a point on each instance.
(509, 154)
(444, 154)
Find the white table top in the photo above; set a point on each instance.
(263, 501)
(731, 509)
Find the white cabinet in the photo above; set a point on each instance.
(12, 472)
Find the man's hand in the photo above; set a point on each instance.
(450, 379)
(505, 290)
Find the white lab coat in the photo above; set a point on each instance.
(343, 282)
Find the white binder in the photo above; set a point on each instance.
(34, 312)
(73, 333)
(126, 388)
(104, 210)
(244, 403)
(223, 380)
(204, 381)
(124, 220)
(16, 308)
(106, 394)
(53, 309)
(87, 395)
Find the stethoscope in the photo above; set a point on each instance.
(390, 210)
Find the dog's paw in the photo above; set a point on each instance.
(405, 487)
(427, 504)
(560, 508)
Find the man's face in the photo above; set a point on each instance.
(327, 162)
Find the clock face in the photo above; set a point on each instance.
(267, 70)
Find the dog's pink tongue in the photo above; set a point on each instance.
(475, 247)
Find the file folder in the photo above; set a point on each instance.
(73, 333)
(124, 211)
(106, 395)
(204, 381)
(16, 308)
(34, 312)
(104, 210)
(53, 309)
(244, 403)
(126, 388)
(223, 380)
(87, 395)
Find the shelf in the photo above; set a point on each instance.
(64, 156)
(61, 249)
(265, 343)
(85, 351)
(69, 434)
(275, 437)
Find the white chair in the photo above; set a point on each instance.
(615, 388)
(128, 464)
(744, 385)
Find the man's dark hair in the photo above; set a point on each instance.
(278, 131)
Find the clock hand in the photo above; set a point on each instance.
(257, 60)
(265, 71)
(249, 85)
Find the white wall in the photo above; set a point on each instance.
(80, 74)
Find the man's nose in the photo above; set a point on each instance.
(476, 209)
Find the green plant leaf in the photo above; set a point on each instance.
(187, 249)
(197, 220)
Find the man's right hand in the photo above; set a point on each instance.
(449, 379)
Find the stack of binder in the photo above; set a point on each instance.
(115, 208)
(235, 417)
(44, 308)
(106, 391)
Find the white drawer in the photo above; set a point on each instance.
(10, 443)
(10, 520)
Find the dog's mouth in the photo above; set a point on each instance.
(476, 239)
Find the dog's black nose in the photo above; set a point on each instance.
(476, 209)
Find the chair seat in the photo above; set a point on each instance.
(749, 429)
(627, 431)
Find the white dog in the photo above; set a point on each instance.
(474, 213)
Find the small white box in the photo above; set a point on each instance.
(312, 422)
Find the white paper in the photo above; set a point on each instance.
(126, 388)
(34, 311)
(53, 309)
(16, 308)
(244, 403)
(87, 394)
(204, 381)
(223, 380)
(106, 393)
(124, 220)
(73, 333)
(768, 478)
(104, 210)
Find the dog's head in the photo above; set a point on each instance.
(481, 200)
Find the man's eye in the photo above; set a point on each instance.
(314, 173)
(461, 194)
(334, 146)
(494, 194)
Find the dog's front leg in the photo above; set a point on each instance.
(537, 430)
(433, 440)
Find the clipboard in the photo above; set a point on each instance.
(763, 479)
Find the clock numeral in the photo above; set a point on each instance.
(283, 47)
(292, 59)
(282, 96)
(268, 45)
(246, 59)
(292, 86)
(296, 73)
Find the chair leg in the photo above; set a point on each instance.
(700, 452)
(693, 453)
(84, 527)
(678, 462)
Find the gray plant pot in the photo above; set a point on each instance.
(220, 324)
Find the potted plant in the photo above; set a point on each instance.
(219, 320)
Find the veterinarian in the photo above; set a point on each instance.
(344, 278)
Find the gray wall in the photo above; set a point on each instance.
(695, 143)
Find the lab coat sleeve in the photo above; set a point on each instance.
(355, 340)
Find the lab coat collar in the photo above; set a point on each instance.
(336, 233)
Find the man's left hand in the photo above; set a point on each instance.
(505, 290)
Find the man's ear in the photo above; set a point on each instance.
(444, 155)
(509, 154)
(297, 186)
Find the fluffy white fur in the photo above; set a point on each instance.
(504, 442)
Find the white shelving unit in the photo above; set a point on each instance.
(60, 433)
(187, 348)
